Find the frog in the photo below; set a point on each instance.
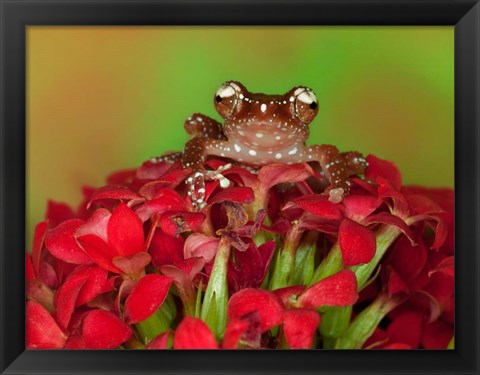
(260, 129)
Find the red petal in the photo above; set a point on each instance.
(407, 260)
(166, 249)
(446, 266)
(359, 207)
(440, 287)
(58, 212)
(234, 331)
(299, 326)
(387, 191)
(397, 345)
(437, 335)
(152, 189)
(151, 171)
(175, 177)
(95, 284)
(250, 266)
(386, 218)
(125, 231)
(339, 289)
(42, 332)
(167, 200)
(396, 284)
(100, 251)
(30, 273)
(407, 329)
(66, 298)
(38, 238)
(75, 342)
(48, 275)
(122, 176)
(134, 264)
(103, 330)
(146, 297)
(310, 221)
(117, 192)
(366, 185)
(96, 224)
(267, 304)
(441, 229)
(357, 243)
(421, 204)
(192, 333)
(62, 244)
(234, 194)
(384, 169)
(200, 245)
(161, 341)
(274, 174)
(266, 251)
(320, 205)
(176, 222)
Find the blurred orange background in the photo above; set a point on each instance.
(106, 98)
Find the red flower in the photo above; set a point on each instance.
(192, 333)
(268, 262)
(106, 236)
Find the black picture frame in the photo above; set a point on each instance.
(17, 15)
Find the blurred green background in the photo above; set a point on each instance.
(106, 98)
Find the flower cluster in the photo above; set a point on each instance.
(268, 262)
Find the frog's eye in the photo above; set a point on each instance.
(226, 99)
(306, 104)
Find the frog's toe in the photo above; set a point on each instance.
(336, 195)
(217, 175)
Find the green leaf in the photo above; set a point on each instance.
(159, 322)
(335, 321)
(214, 307)
(365, 323)
(330, 265)
(304, 265)
(198, 301)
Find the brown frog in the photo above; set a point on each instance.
(260, 129)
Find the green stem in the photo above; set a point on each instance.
(365, 323)
(385, 236)
(328, 343)
(335, 321)
(159, 322)
(214, 308)
(286, 259)
(330, 265)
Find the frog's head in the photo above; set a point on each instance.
(277, 119)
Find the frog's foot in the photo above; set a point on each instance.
(196, 184)
(168, 158)
(336, 195)
(355, 162)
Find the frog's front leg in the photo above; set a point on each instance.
(337, 168)
(195, 153)
(204, 126)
